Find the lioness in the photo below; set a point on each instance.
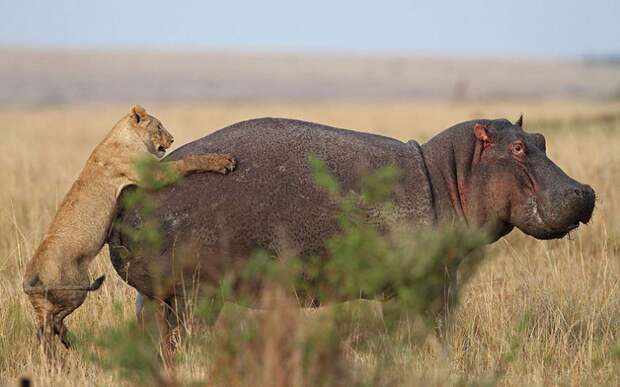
(56, 278)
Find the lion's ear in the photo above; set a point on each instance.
(137, 113)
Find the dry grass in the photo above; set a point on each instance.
(565, 293)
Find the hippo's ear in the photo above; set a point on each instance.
(519, 121)
(137, 113)
(483, 133)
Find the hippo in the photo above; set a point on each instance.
(485, 173)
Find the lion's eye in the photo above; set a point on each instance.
(518, 149)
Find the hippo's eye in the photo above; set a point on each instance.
(518, 149)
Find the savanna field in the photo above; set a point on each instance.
(536, 313)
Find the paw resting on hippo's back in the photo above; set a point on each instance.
(216, 162)
(228, 163)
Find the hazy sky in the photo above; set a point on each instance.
(514, 28)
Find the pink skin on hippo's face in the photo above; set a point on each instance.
(521, 187)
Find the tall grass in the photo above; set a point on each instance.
(535, 313)
(399, 264)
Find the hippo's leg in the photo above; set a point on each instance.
(169, 318)
(140, 300)
(145, 307)
(165, 335)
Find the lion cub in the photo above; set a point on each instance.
(56, 278)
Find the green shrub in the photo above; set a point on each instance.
(278, 344)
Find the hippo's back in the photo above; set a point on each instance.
(287, 142)
(271, 201)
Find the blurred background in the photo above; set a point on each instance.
(70, 51)
(70, 69)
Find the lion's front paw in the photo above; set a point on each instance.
(222, 163)
(228, 163)
(210, 162)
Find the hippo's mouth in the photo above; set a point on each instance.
(558, 234)
(540, 226)
(546, 233)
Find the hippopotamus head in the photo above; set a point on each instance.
(495, 174)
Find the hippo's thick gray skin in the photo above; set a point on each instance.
(488, 173)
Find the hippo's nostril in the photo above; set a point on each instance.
(585, 192)
(588, 194)
(580, 192)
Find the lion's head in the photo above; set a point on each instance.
(156, 138)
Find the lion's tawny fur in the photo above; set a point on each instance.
(80, 227)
